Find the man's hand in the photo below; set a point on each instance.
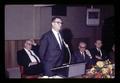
(98, 57)
(88, 53)
(32, 63)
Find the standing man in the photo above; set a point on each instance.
(51, 49)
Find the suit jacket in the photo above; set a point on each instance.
(78, 58)
(24, 60)
(94, 52)
(50, 53)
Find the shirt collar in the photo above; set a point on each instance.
(98, 49)
(81, 52)
(27, 49)
(55, 32)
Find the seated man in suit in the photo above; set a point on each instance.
(98, 53)
(29, 60)
(82, 55)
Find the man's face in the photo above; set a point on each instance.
(82, 47)
(98, 44)
(28, 45)
(56, 24)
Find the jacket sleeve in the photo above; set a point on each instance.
(73, 58)
(43, 47)
(22, 59)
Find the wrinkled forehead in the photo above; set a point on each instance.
(29, 42)
(82, 44)
(98, 41)
(58, 19)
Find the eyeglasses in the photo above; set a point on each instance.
(82, 47)
(99, 43)
(58, 22)
(29, 44)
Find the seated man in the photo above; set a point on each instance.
(82, 55)
(98, 53)
(29, 60)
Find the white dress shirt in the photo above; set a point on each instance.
(83, 54)
(32, 58)
(56, 36)
(100, 51)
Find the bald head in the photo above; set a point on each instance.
(82, 46)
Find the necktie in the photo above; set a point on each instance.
(60, 40)
(83, 55)
(34, 56)
(100, 53)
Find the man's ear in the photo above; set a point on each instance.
(25, 44)
(95, 44)
(52, 23)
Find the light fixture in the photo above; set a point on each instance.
(43, 5)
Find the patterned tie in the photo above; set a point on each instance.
(60, 40)
(100, 53)
(34, 56)
(83, 55)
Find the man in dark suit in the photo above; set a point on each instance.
(82, 55)
(51, 49)
(98, 53)
(29, 60)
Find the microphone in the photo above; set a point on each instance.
(66, 45)
(64, 65)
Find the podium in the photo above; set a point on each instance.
(72, 70)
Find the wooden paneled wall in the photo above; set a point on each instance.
(12, 46)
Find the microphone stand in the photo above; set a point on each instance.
(66, 45)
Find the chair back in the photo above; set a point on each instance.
(14, 72)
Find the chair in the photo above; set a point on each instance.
(14, 72)
(23, 75)
(22, 71)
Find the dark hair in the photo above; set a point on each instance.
(55, 18)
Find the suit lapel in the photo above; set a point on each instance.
(26, 55)
(97, 52)
(54, 39)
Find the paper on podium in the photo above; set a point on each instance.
(64, 66)
(72, 70)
